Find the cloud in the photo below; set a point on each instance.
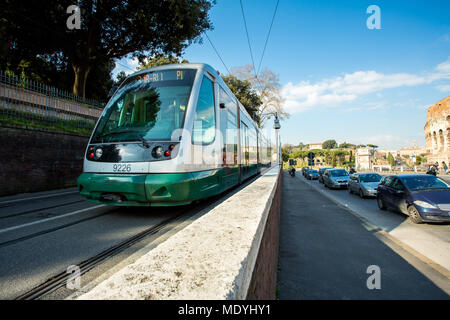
(127, 65)
(335, 91)
(444, 67)
(390, 142)
(444, 88)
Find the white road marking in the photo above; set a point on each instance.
(40, 197)
(49, 219)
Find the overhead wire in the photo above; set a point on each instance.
(267, 38)
(248, 38)
(215, 50)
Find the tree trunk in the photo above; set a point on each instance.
(79, 85)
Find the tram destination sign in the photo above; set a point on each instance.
(166, 75)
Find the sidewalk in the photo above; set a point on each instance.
(325, 252)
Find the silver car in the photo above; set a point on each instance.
(364, 184)
(336, 178)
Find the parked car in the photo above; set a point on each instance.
(424, 198)
(336, 178)
(321, 172)
(312, 174)
(304, 170)
(364, 184)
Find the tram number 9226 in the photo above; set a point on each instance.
(122, 168)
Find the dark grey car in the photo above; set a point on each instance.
(336, 178)
(364, 184)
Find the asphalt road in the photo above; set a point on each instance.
(431, 240)
(325, 252)
(42, 234)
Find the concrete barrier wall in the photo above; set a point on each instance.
(38, 159)
(263, 284)
(229, 251)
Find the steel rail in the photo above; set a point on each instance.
(41, 209)
(61, 279)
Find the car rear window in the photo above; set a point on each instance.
(424, 182)
(338, 173)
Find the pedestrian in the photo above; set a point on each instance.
(445, 167)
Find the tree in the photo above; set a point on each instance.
(120, 77)
(284, 155)
(346, 145)
(340, 155)
(391, 160)
(288, 147)
(244, 92)
(160, 60)
(373, 146)
(267, 86)
(110, 29)
(329, 144)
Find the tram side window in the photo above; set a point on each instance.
(232, 139)
(204, 128)
(228, 128)
(244, 143)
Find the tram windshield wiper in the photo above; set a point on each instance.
(136, 132)
(144, 142)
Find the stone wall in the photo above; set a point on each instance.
(38, 159)
(264, 278)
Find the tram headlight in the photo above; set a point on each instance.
(158, 152)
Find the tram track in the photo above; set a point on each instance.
(61, 279)
(40, 233)
(5, 203)
(40, 209)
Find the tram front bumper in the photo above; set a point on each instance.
(138, 189)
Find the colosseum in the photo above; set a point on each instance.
(437, 132)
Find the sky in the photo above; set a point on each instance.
(340, 79)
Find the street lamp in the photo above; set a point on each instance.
(276, 126)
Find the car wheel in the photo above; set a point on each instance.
(381, 204)
(414, 214)
(361, 193)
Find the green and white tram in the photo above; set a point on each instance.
(171, 135)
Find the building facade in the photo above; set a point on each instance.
(363, 158)
(437, 132)
(315, 145)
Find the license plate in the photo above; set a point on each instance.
(121, 167)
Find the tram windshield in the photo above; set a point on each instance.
(147, 107)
